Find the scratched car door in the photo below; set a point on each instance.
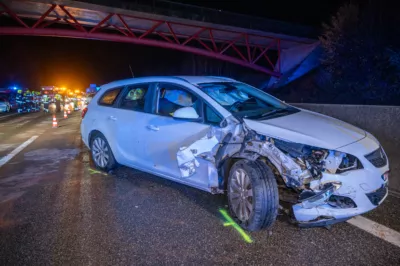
(168, 139)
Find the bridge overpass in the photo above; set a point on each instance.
(280, 50)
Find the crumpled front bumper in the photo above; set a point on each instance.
(325, 214)
(367, 188)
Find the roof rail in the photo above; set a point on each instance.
(180, 78)
(221, 77)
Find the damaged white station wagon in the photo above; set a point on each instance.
(221, 135)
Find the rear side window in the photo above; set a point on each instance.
(135, 97)
(109, 97)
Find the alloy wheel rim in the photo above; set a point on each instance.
(241, 195)
(100, 152)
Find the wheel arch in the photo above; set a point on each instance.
(93, 133)
(113, 160)
(224, 170)
(227, 164)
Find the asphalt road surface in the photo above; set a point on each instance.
(56, 209)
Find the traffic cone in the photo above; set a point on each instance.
(55, 125)
(65, 114)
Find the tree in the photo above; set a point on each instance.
(361, 52)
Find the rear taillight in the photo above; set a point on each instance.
(84, 111)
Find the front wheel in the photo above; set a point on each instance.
(101, 153)
(253, 195)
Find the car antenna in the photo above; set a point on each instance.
(131, 70)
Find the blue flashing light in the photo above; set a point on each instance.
(14, 88)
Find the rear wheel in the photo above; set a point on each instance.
(253, 195)
(101, 152)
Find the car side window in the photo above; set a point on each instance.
(109, 97)
(135, 97)
(211, 117)
(172, 98)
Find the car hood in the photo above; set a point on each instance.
(309, 128)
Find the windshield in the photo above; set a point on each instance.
(245, 101)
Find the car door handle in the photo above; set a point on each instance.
(113, 118)
(153, 127)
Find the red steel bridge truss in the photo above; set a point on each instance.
(258, 52)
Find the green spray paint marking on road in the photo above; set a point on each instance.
(92, 171)
(231, 222)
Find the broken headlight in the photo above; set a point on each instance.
(318, 160)
(339, 162)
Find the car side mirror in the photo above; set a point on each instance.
(186, 113)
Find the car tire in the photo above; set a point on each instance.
(101, 153)
(253, 205)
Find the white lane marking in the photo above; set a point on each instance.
(376, 229)
(17, 150)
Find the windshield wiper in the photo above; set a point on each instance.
(237, 104)
(274, 112)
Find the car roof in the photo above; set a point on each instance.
(204, 79)
(195, 80)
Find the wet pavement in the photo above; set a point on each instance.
(56, 209)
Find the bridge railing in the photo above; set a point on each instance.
(173, 9)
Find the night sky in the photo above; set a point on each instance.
(36, 61)
(307, 12)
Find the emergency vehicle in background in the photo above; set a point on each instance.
(73, 102)
(52, 100)
(20, 100)
(31, 101)
(27, 101)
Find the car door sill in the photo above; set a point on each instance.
(181, 181)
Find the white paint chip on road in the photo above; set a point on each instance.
(376, 229)
(17, 150)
